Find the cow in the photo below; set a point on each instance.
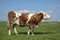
(32, 20)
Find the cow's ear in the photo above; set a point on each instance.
(41, 13)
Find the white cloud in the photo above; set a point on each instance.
(25, 11)
(54, 6)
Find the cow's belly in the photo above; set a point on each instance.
(19, 23)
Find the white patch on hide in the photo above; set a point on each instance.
(29, 17)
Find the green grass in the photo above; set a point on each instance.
(45, 31)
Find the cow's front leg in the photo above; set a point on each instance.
(32, 30)
(28, 31)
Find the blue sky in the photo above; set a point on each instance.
(52, 7)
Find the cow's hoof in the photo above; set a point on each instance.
(17, 34)
(32, 34)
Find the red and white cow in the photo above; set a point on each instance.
(25, 18)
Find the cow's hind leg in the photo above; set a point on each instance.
(14, 27)
(9, 30)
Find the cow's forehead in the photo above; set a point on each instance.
(43, 12)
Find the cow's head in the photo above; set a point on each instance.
(45, 15)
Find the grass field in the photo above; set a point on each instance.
(45, 31)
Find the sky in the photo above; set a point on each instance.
(52, 7)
